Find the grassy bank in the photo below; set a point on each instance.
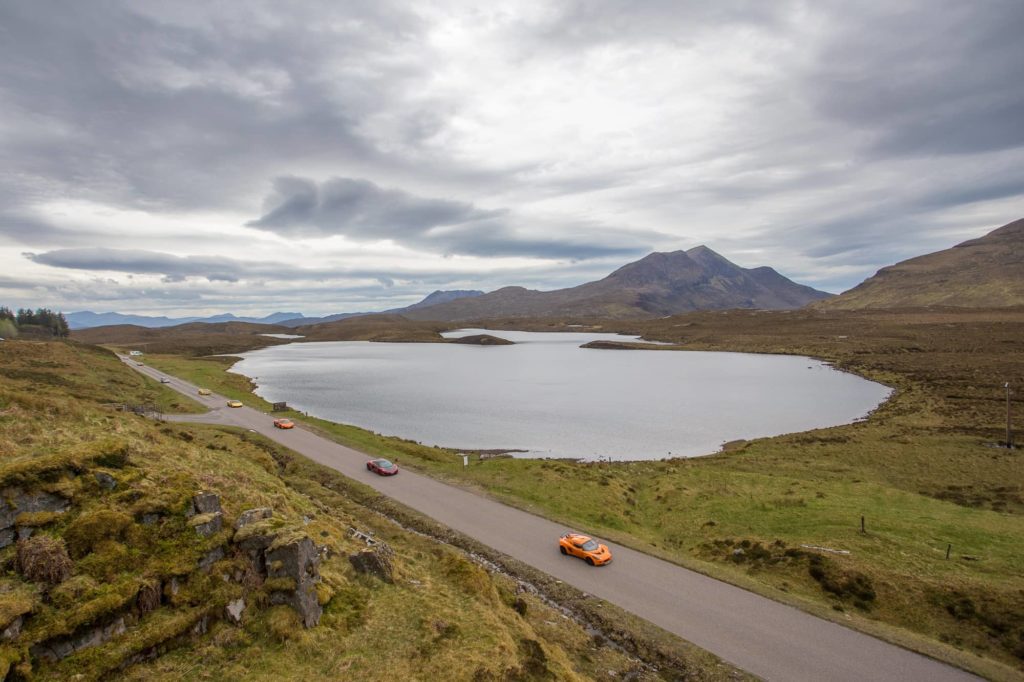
(924, 472)
(132, 557)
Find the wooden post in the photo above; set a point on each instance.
(948, 548)
(862, 525)
(1009, 432)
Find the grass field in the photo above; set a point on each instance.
(925, 472)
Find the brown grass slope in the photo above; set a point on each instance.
(986, 272)
(658, 284)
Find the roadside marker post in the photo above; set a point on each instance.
(465, 461)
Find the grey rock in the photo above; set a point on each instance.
(374, 561)
(253, 515)
(106, 481)
(210, 558)
(150, 518)
(201, 626)
(19, 501)
(258, 542)
(235, 609)
(208, 524)
(25, 532)
(58, 649)
(12, 630)
(297, 560)
(206, 503)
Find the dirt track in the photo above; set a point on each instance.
(766, 638)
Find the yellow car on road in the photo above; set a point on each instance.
(204, 391)
(234, 403)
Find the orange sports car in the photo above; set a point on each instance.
(584, 547)
(284, 424)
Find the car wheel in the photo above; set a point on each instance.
(590, 561)
(562, 550)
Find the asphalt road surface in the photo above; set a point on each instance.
(761, 636)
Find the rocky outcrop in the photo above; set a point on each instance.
(58, 649)
(17, 501)
(250, 516)
(297, 561)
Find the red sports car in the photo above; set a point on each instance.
(284, 423)
(382, 467)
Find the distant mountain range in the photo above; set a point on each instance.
(658, 284)
(431, 299)
(87, 319)
(981, 273)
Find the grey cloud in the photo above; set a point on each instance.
(357, 208)
(925, 77)
(361, 210)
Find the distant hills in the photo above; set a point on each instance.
(658, 284)
(87, 319)
(431, 299)
(981, 273)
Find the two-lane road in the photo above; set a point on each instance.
(764, 637)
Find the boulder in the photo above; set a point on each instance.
(206, 503)
(298, 560)
(375, 561)
(252, 516)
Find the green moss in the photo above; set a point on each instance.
(36, 519)
(103, 600)
(16, 599)
(282, 584)
(159, 628)
(31, 471)
(93, 527)
(200, 519)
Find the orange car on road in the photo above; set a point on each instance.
(584, 547)
(284, 423)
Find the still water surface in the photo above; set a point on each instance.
(547, 396)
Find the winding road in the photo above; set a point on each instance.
(769, 639)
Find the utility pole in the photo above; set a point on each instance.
(1009, 433)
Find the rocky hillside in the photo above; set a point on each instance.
(658, 284)
(136, 549)
(980, 273)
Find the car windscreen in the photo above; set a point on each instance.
(385, 464)
(589, 546)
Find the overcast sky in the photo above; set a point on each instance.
(192, 158)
